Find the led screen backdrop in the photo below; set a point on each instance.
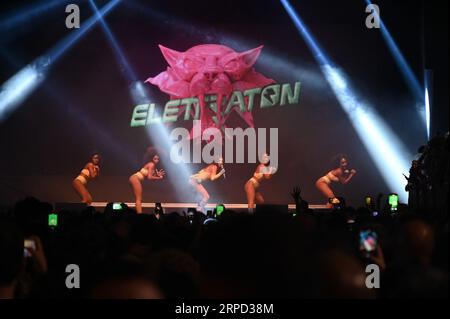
(157, 52)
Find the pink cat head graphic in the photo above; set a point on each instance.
(209, 69)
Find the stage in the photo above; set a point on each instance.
(194, 205)
(179, 207)
(176, 207)
(197, 90)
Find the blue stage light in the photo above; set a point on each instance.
(406, 71)
(403, 65)
(428, 100)
(160, 136)
(387, 151)
(140, 94)
(15, 90)
(427, 112)
(57, 51)
(93, 129)
(27, 14)
(118, 52)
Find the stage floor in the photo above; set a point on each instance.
(194, 205)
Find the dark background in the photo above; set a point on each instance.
(84, 104)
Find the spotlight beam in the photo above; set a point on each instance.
(16, 18)
(158, 133)
(120, 56)
(16, 89)
(399, 58)
(62, 47)
(428, 99)
(412, 81)
(427, 111)
(387, 151)
(91, 127)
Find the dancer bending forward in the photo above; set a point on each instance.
(90, 171)
(341, 174)
(263, 171)
(150, 172)
(207, 173)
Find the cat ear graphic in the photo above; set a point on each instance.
(251, 55)
(172, 57)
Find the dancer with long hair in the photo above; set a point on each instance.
(148, 171)
(341, 174)
(90, 171)
(263, 171)
(211, 173)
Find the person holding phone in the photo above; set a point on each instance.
(219, 210)
(341, 174)
(263, 171)
(370, 247)
(212, 172)
(159, 210)
(150, 172)
(368, 242)
(34, 251)
(90, 171)
(393, 202)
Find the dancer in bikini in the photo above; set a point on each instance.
(262, 172)
(150, 172)
(90, 171)
(341, 174)
(212, 172)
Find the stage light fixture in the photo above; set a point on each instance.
(428, 100)
(427, 111)
(14, 91)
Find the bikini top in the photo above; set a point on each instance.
(332, 177)
(85, 172)
(144, 171)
